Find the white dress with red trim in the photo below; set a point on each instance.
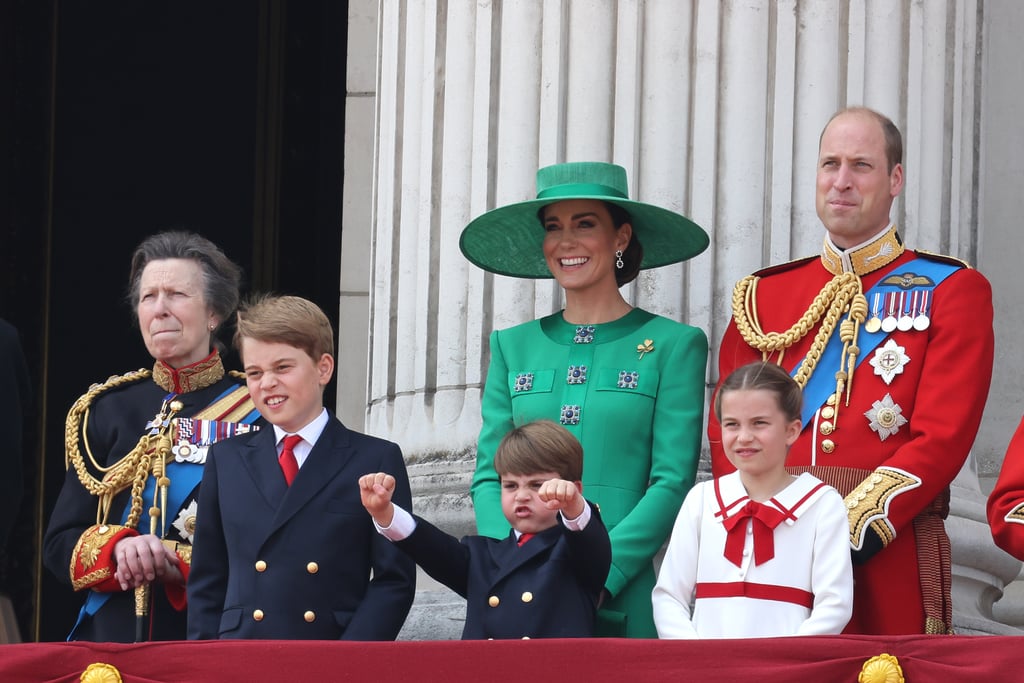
(735, 568)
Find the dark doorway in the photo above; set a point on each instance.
(127, 118)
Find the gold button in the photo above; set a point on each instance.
(527, 596)
(257, 615)
(309, 616)
(493, 601)
(526, 637)
(828, 412)
(261, 566)
(831, 400)
(825, 428)
(312, 567)
(103, 529)
(828, 445)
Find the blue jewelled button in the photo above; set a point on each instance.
(577, 374)
(584, 334)
(524, 382)
(570, 415)
(628, 379)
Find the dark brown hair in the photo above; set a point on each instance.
(633, 255)
(541, 446)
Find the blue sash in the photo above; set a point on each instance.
(821, 385)
(185, 477)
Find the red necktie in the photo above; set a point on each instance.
(289, 465)
(523, 538)
(765, 518)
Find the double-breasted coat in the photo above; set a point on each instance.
(546, 588)
(277, 562)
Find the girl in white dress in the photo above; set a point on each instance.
(758, 552)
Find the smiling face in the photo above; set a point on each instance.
(173, 315)
(756, 434)
(286, 384)
(580, 242)
(520, 504)
(855, 188)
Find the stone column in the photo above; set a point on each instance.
(713, 106)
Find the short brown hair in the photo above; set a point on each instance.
(540, 446)
(766, 376)
(289, 320)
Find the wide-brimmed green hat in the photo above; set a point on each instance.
(509, 240)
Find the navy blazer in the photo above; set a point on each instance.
(277, 562)
(547, 588)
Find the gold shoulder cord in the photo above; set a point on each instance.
(843, 294)
(131, 470)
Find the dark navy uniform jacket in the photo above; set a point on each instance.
(547, 588)
(277, 562)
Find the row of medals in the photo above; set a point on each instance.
(904, 311)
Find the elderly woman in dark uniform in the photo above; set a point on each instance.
(125, 517)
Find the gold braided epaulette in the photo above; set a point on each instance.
(84, 402)
(868, 504)
(783, 267)
(943, 258)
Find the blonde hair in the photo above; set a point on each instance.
(289, 320)
(540, 446)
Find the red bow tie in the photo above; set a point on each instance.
(765, 518)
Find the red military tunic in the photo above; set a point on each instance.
(1006, 502)
(895, 477)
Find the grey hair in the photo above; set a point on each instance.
(221, 276)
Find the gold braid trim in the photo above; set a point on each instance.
(132, 469)
(868, 504)
(841, 295)
(1016, 514)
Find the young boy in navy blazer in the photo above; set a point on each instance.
(283, 549)
(545, 579)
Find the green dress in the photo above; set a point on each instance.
(639, 416)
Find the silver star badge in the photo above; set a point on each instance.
(889, 361)
(186, 521)
(885, 417)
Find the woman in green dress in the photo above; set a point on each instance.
(628, 384)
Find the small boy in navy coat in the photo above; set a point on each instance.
(545, 579)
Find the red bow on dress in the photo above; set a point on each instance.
(765, 518)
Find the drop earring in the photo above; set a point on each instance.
(618, 259)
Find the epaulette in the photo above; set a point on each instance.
(118, 380)
(783, 267)
(943, 258)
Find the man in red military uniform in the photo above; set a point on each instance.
(894, 350)
(1006, 502)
